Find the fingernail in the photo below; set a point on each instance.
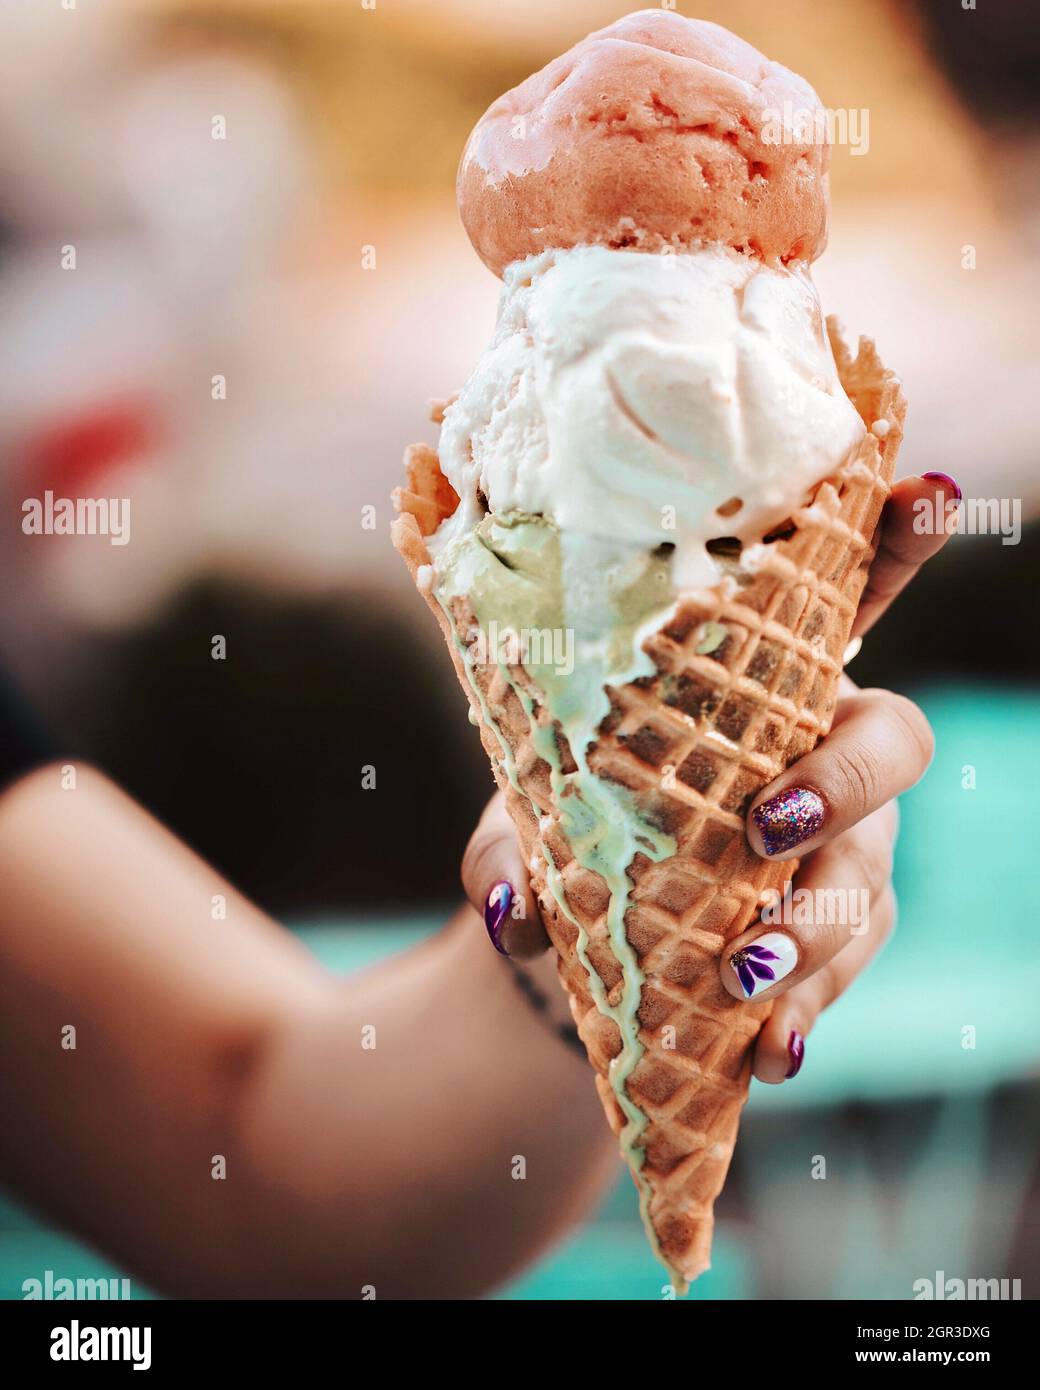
(496, 912)
(788, 818)
(796, 1052)
(769, 959)
(945, 478)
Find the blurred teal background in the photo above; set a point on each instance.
(930, 1145)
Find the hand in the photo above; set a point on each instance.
(836, 812)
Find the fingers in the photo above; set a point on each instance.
(880, 745)
(495, 879)
(780, 1047)
(827, 907)
(912, 531)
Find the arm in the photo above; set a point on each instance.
(196, 1037)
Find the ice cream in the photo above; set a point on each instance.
(658, 131)
(524, 579)
(644, 533)
(651, 399)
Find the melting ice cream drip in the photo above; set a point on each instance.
(600, 818)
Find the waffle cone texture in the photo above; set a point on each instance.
(746, 683)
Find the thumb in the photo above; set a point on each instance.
(495, 878)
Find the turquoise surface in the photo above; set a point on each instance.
(964, 954)
(963, 959)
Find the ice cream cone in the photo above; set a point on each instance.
(746, 682)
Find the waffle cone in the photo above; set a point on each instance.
(746, 683)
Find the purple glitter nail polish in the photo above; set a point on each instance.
(496, 911)
(789, 818)
(796, 1052)
(945, 478)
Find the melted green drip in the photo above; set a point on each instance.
(516, 573)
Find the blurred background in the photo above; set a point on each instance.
(249, 338)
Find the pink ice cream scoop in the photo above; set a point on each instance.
(658, 131)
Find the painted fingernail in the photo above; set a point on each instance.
(945, 478)
(796, 1052)
(496, 913)
(788, 818)
(769, 959)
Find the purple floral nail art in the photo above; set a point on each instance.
(769, 959)
(750, 964)
(496, 911)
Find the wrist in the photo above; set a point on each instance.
(529, 990)
(537, 981)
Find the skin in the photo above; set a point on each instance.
(879, 746)
(346, 1168)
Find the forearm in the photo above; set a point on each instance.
(469, 1136)
(132, 1007)
(202, 1039)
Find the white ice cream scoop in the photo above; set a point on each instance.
(650, 398)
